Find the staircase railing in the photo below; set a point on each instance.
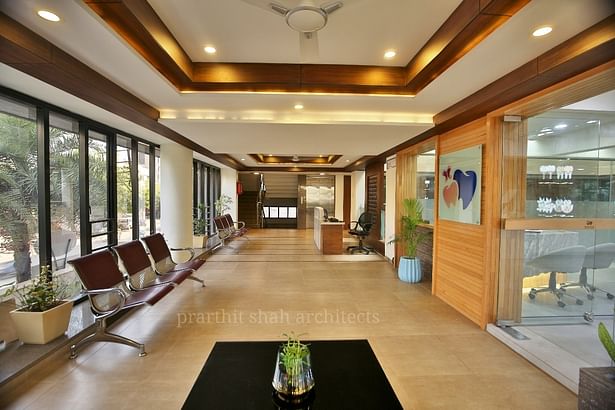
(260, 213)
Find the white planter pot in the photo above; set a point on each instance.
(199, 241)
(409, 270)
(42, 327)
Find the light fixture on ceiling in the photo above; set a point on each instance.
(298, 106)
(295, 158)
(257, 173)
(542, 31)
(48, 15)
(560, 126)
(389, 54)
(210, 49)
(243, 159)
(591, 122)
(322, 173)
(347, 160)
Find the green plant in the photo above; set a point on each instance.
(409, 236)
(223, 204)
(41, 293)
(293, 354)
(607, 340)
(199, 223)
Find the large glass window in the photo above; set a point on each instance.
(18, 191)
(157, 188)
(425, 183)
(98, 188)
(206, 190)
(144, 190)
(64, 189)
(123, 166)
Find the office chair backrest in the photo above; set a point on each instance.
(365, 222)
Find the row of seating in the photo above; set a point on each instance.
(111, 291)
(227, 229)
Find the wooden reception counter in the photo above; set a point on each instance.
(328, 236)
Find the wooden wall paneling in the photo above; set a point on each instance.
(514, 171)
(461, 272)
(347, 200)
(405, 188)
(374, 202)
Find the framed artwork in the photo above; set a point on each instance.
(459, 185)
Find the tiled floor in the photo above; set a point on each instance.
(276, 283)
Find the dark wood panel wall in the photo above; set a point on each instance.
(374, 203)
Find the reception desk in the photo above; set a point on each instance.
(328, 236)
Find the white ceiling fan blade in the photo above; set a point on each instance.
(269, 5)
(331, 7)
(308, 47)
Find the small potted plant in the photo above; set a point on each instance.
(293, 380)
(597, 384)
(410, 237)
(42, 314)
(199, 227)
(223, 204)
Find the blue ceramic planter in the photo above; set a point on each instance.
(409, 270)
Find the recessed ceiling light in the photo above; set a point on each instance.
(322, 173)
(298, 106)
(210, 50)
(347, 160)
(271, 155)
(591, 121)
(390, 54)
(47, 15)
(257, 173)
(540, 134)
(580, 169)
(542, 31)
(546, 129)
(560, 126)
(243, 159)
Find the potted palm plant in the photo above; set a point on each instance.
(410, 237)
(42, 314)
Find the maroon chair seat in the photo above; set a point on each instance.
(139, 267)
(163, 261)
(108, 293)
(227, 229)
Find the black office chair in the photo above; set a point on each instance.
(361, 229)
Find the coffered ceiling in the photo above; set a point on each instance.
(241, 100)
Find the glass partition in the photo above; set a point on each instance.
(425, 183)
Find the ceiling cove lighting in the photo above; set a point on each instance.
(49, 16)
(560, 126)
(389, 54)
(210, 49)
(298, 106)
(542, 31)
(591, 121)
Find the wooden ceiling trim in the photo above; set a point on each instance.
(471, 22)
(138, 24)
(143, 29)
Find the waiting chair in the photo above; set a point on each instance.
(106, 288)
(139, 267)
(228, 229)
(163, 261)
(566, 260)
(361, 230)
(596, 257)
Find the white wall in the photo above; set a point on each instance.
(176, 194)
(357, 194)
(228, 186)
(339, 197)
(389, 231)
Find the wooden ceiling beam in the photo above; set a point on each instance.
(138, 24)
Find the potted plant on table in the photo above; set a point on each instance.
(293, 380)
(410, 237)
(42, 314)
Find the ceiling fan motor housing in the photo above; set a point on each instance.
(306, 19)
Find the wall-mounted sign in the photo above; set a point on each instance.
(459, 188)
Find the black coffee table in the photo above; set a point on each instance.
(237, 375)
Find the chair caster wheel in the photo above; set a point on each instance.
(589, 317)
(532, 295)
(560, 303)
(579, 302)
(608, 295)
(590, 297)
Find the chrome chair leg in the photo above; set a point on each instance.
(101, 335)
(194, 278)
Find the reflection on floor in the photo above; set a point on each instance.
(433, 357)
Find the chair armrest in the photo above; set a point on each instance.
(119, 306)
(191, 250)
(240, 224)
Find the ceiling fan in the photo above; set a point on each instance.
(306, 18)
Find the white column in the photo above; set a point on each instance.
(228, 186)
(357, 194)
(389, 230)
(176, 194)
(339, 197)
